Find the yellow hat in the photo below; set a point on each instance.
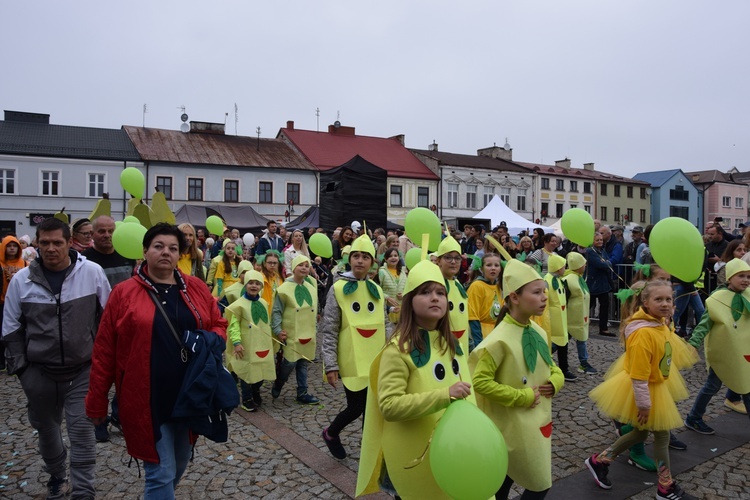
(364, 244)
(244, 266)
(346, 250)
(299, 259)
(226, 242)
(448, 245)
(576, 261)
(253, 275)
(555, 263)
(735, 266)
(517, 274)
(422, 272)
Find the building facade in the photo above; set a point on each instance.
(723, 197)
(673, 195)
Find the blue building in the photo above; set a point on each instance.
(673, 195)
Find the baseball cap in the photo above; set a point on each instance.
(637, 229)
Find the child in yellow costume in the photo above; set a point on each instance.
(234, 291)
(485, 299)
(725, 326)
(293, 322)
(250, 347)
(641, 393)
(226, 269)
(578, 305)
(412, 382)
(515, 378)
(270, 267)
(557, 326)
(353, 331)
(449, 261)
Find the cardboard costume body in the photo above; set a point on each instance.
(249, 325)
(578, 305)
(728, 342)
(557, 326)
(458, 309)
(299, 320)
(408, 394)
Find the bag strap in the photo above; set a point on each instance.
(184, 353)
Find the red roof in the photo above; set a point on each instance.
(331, 149)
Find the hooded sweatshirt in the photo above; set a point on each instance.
(10, 266)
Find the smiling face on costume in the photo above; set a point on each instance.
(491, 267)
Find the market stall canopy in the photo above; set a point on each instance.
(244, 218)
(309, 218)
(498, 212)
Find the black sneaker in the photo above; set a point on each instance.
(57, 487)
(276, 390)
(249, 405)
(570, 376)
(587, 369)
(307, 399)
(334, 445)
(599, 470)
(675, 443)
(699, 426)
(101, 433)
(674, 492)
(257, 399)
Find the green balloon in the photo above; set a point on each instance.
(578, 226)
(118, 223)
(677, 247)
(412, 257)
(128, 240)
(468, 455)
(132, 181)
(421, 221)
(321, 245)
(215, 225)
(131, 219)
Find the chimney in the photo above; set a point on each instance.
(339, 129)
(563, 163)
(24, 117)
(504, 153)
(401, 138)
(588, 166)
(206, 128)
(433, 146)
(290, 124)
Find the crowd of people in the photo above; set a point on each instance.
(479, 319)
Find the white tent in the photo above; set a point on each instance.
(498, 212)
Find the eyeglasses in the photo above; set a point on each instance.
(451, 259)
(88, 234)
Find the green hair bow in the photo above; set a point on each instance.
(644, 268)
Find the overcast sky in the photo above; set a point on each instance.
(636, 85)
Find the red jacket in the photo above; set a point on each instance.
(122, 354)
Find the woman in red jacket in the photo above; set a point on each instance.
(136, 350)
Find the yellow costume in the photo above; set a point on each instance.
(728, 340)
(458, 309)
(485, 302)
(556, 306)
(299, 317)
(234, 291)
(269, 289)
(578, 305)
(228, 277)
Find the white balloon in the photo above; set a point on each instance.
(248, 239)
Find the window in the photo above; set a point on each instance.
(292, 192)
(586, 187)
(629, 215)
(726, 201)
(265, 192)
(545, 209)
(96, 185)
(587, 208)
(50, 183)
(195, 189)
(679, 193)
(617, 190)
(603, 215)
(603, 189)
(489, 193)
(423, 197)
(630, 191)
(643, 193)
(573, 205)
(396, 192)
(231, 191)
(737, 223)
(617, 214)
(559, 185)
(545, 183)
(452, 195)
(471, 196)
(739, 202)
(505, 195)
(574, 186)
(643, 215)
(165, 186)
(521, 200)
(558, 210)
(681, 212)
(7, 182)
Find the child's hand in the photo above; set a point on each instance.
(459, 390)
(547, 390)
(332, 377)
(282, 335)
(239, 351)
(643, 416)
(537, 397)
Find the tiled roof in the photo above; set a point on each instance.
(173, 146)
(709, 177)
(42, 139)
(658, 178)
(328, 150)
(579, 173)
(472, 161)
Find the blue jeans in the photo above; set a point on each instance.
(709, 389)
(248, 390)
(174, 451)
(300, 367)
(583, 353)
(682, 301)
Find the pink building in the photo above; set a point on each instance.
(722, 197)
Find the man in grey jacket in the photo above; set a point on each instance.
(52, 312)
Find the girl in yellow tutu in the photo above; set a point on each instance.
(640, 394)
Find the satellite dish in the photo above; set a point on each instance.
(506, 146)
(185, 127)
(336, 124)
(184, 117)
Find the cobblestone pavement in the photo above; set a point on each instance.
(255, 462)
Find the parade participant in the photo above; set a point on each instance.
(515, 378)
(726, 329)
(558, 314)
(412, 382)
(353, 330)
(226, 270)
(191, 263)
(83, 232)
(392, 280)
(293, 322)
(250, 347)
(234, 291)
(269, 266)
(578, 304)
(449, 261)
(642, 393)
(485, 299)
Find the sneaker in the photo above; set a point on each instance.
(639, 459)
(607, 333)
(57, 487)
(699, 426)
(674, 492)
(599, 470)
(257, 399)
(587, 369)
(675, 443)
(570, 376)
(249, 405)
(738, 406)
(275, 390)
(307, 399)
(101, 433)
(334, 445)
